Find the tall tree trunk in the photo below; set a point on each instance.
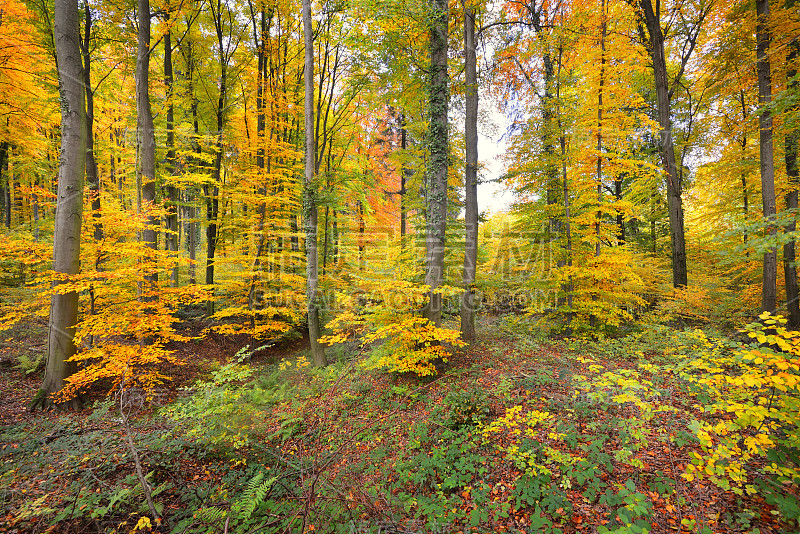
(790, 157)
(192, 241)
(405, 175)
(362, 262)
(35, 206)
(599, 177)
(437, 160)
(568, 287)
(92, 177)
(261, 23)
(146, 132)
(4, 191)
(309, 201)
(69, 204)
(743, 144)
(194, 224)
(620, 217)
(770, 271)
(470, 179)
(171, 220)
(212, 192)
(674, 186)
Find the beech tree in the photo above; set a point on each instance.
(69, 207)
(470, 177)
(146, 136)
(309, 200)
(791, 140)
(438, 148)
(651, 17)
(770, 266)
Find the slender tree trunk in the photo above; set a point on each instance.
(172, 236)
(35, 206)
(362, 263)
(192, 243)
(4, 191)
(405, 175)
(193, 215)
(14, 175)
(674, 186)
(745, 193)
(770, 271)
(261, 24)
(470, 179)
(325, 242)
(92, 177)
(599, 177)
(212, 192)
(790, 157)
(146, 133)
(309, 201)
(620, 217)
(437, 160)
(567, 287)
(69, 204)
(335, 240)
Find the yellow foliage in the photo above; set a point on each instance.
(387, 318)
(754, 388)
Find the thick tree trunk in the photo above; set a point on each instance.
(470, 179)
(69, 204)
(437, 160)
(770, 270)
(146, 132)
(790, 157)
(674, 186)
(309, 202)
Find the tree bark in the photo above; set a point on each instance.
(470, 179)
(212, 192)
(437, 160)
(91, 165)
(599, 176)
(405, 175)
(309, 202)
(667, 149)
(172, 191)
(770, 269)
(4, 191)
(790, 157)
(146, 132)
(69, 204)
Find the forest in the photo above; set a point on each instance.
(248, 283)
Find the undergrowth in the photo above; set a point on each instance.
(610, 435)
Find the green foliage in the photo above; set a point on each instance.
(465, 408)
(30, 364)
(444, 471)
(633, 509)
(227, 409)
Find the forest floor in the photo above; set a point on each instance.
(517, 434)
